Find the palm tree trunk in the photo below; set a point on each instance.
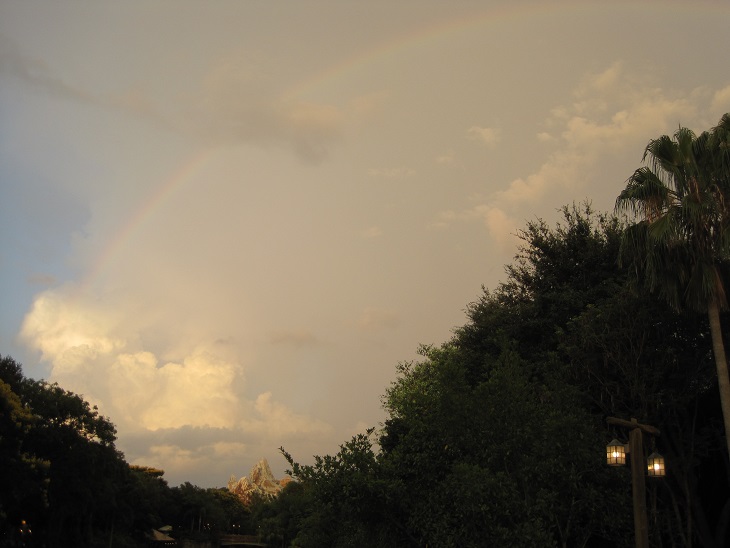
(723, 379)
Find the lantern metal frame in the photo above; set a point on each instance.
(655, 466)
(616, 453)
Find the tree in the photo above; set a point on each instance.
(85, 469)
(681, 243)
(634, 356)
(71, 492)
(343, 500)
(22, 490)
(61, 473)
(144, 500)
(507, 460)
(277, 520)
(541, 362)
(567, 330)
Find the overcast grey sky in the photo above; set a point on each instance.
(226, 222)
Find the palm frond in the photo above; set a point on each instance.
(645, 194)
(720, 148)
(681, 197)
(662, 155)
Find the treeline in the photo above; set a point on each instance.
(497, 437)
(494, 438)
(64, 484)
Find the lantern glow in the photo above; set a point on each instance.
(655, 467)
(616, 453)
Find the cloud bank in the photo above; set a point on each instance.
(102, 355)
(608, 121)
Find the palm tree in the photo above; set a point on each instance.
(680, 245)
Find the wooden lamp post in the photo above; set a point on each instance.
(615, 457)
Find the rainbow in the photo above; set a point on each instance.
(328, 77)
(320, 80)
(415, 38)
(187, 171)
(501, 14)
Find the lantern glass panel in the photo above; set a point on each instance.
(655, 467)
(615, 453)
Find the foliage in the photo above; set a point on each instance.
(566, 341)
(144, 500)
(71, 485)
(21, 471)
(496, 436)
(205, 513)
(681, 240)
(61, 473)
(278, 519)
(679, 244)
(503, 462)
(343, 500)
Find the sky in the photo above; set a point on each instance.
(225, 223)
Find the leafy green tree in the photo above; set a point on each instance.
(144, 501)
(193, 505)
(496, 437)
(22, 489)
(204, 514)
(508, 461)
(633, 356)
(61, 472)
(626, 351)
(81, 470)
(231, 514)
(84, 465)
(278, 520)
(570, 322)
(681, 242)
(348, 499)
(23, 474)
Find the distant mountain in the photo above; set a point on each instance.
(260, 481)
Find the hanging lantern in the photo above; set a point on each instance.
(616, 453)
(655, 466)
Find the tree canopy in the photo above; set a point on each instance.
(680, 243)
(496, 436)
(64, 483)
